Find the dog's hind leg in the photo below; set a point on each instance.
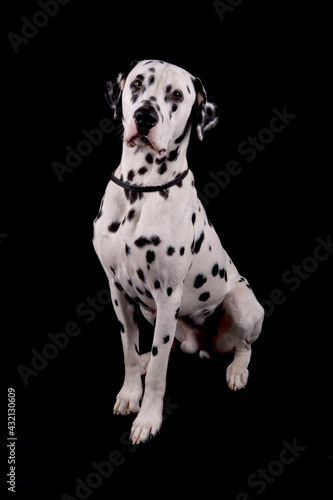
(238, 329)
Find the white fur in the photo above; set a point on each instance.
(202, 268)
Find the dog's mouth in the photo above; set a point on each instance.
(142, 140)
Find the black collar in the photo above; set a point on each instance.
(149, 189)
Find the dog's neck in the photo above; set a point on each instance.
(142, 166)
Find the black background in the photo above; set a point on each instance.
(263, 55)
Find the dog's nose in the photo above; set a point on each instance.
(145, 118)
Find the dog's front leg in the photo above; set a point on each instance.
(149, 420)
(129, 397)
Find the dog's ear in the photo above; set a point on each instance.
(207, 111)
(113, 90)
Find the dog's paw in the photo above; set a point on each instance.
(190, 346)
(145, 427)
(128, 401)
(237, 376)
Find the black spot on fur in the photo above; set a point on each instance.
(150, 256)
(166, 339)
(151, 80)
(215, 270)
(149, 158)
(129, 299)
(134, 97)
(204, 296)
(141, 242)
(156, 240)
(160, 160)
(193, 218)
(199, 281)
(142, 170)
(149, 295)
(140, 302)
(137, 350)
(162, 168)
(182, 251)
(167, 92)
(154, 350)
(130, 175)
(132, 196)
(139, 290)
(223, 274)
(192, 245)
(113, 227)
(131, 214)
(170, 250)
(127, 249)
(139, 272)
(157, 285)
(198, 243)
(177, 312)
(169, 291)
(173, 155)
(164, 193)
(118, 285)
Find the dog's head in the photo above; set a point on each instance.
(159, 102)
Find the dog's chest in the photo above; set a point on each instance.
(145, 242)
(151, 246)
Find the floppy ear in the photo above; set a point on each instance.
(113, 90)
(207, 111)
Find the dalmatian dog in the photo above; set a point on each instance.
(159, 250)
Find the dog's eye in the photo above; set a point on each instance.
(137, 84)
(177, 95)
